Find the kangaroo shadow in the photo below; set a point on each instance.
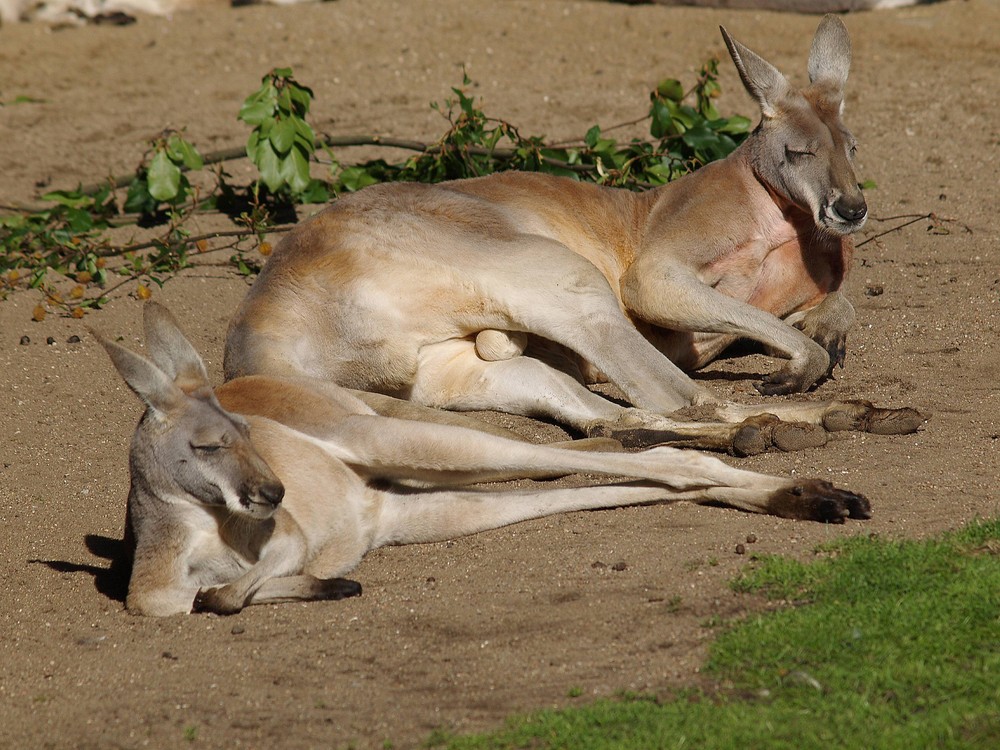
(111, 581)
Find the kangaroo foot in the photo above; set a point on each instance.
(817, 500)
(865, 417)
(766, 432)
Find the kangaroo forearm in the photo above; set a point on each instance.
(687, 305)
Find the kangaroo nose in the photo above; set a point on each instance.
(273, 492)
(851, 209)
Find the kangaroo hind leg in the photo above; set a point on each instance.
(452, 376)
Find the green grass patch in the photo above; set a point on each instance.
(883, 645)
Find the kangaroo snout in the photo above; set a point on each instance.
(843, 214)
(851, 208)
(264, 496)
(272, 492)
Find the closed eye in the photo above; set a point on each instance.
(206, 448)
(798, 154)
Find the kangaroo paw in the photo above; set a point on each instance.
(779, 384)
(219, 600)
(817, 500)
(865, 417)
(336, 588)
(766, 432)
(835, 343)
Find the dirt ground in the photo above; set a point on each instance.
(456, 636)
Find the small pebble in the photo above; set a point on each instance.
(740, 549)
(238, 630)
(25, 340)
(50, 341)
(620, 566)
(874, 290)
(91, 640)
(751, 538)
(74, 339)
(598, 565)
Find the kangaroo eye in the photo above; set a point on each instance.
(798, 154)
(206, 448)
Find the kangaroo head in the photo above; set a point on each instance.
(187, 447)
(801, 150)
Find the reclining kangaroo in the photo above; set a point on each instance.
(265, 489)
(508, 292)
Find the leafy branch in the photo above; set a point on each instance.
(69, 237)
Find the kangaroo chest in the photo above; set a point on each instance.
(781, 267)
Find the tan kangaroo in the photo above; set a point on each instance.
(267, 489)
(509, 292)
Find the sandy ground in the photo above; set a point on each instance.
(455, 636)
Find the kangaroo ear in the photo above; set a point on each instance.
(171, 351)
(763, 81)
(830, 55)
(150, 383)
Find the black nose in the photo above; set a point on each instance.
(851, 209)
(273, 492)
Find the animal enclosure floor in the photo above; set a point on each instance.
(455, 636)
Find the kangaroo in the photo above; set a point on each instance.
(79, 12)
(510, 292)
(269, 489)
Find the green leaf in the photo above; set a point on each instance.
(355, 178)
(593, 136)
(316, 191)
(304, 130)
(659, 173)
(700, 136)
(301, 97)
(252, 145)
(256, 112)
(25, 99)
(295, 171)
(709, 111)
(78, 221)
(306, 147)
(138, 200)
(687, 116)
(269, 166)
(282, 135)
(164, 177)
(188, 153)
(285, 102)
(71, 198)
(670, 88)
(15, 221)
(737, 124)
(661, 114)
